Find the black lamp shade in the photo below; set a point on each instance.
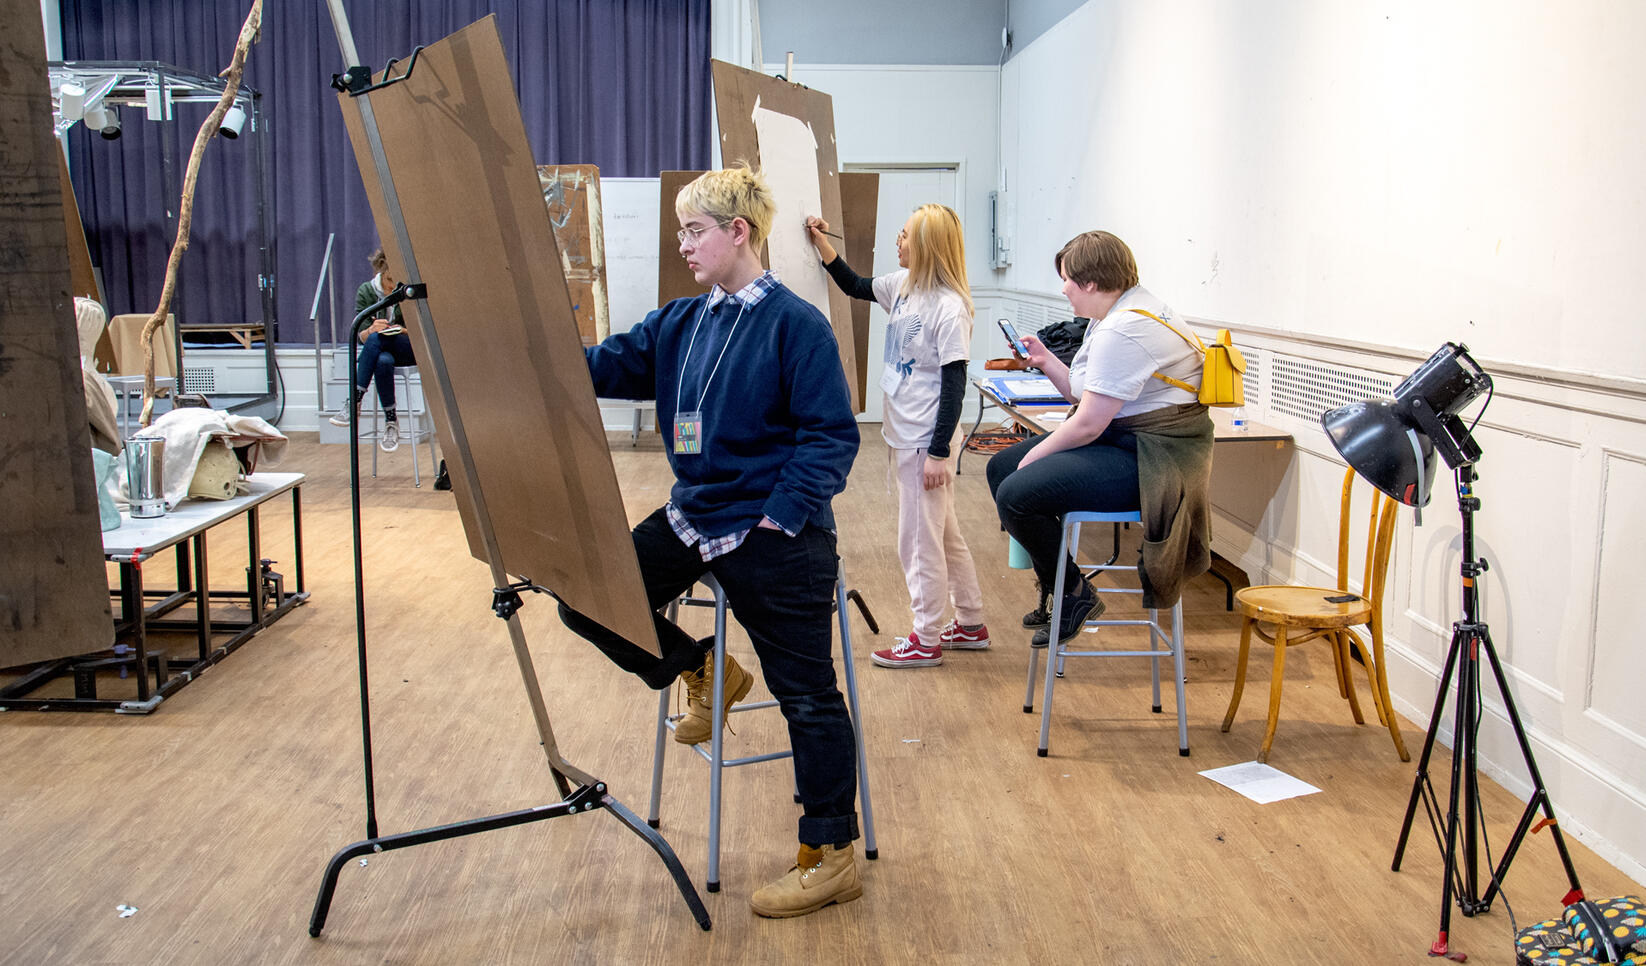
(1375, 440)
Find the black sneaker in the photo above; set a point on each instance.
(1040, 616)
(1078, 608)
(442, 480)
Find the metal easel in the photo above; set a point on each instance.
(589, 792)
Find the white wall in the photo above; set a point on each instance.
(1349, 185)
(1377, 171)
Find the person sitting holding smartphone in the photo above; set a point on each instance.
(384, 345)
(1133, 441)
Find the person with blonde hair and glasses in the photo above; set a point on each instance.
(759, 431)
(928, 343)
(1134, 441)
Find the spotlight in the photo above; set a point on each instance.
(71, 101)
(105, 120)
(1392, 442)
(233, 121)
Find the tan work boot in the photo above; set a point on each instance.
(820, 876)
(695, 727)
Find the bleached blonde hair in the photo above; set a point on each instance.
(937, 253)
(735, 192)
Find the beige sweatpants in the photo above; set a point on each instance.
(936, 562)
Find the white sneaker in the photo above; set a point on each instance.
(390, 440)
(340, 418)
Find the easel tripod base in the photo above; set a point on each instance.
(585, 798)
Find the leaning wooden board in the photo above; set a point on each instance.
(498, 307)
(54, 593)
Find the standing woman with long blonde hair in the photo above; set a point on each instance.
(928, 343)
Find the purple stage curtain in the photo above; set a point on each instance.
(623, 84)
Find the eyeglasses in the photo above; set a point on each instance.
(696, 233)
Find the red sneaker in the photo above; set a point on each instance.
(909, 652)
(958, 638)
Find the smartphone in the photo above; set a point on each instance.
(1018, 348)
(393, 330)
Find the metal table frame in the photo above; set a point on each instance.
(137, 541)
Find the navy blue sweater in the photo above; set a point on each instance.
(779, 434)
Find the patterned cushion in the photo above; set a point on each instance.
(1567, 940)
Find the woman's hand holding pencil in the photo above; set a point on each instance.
(818, 228)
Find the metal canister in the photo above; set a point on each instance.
(144, 480)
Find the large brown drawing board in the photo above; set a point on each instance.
(498, 306)
(572, 194)
(674, 279)
(859, 210)
(736, 93)
(54, 593)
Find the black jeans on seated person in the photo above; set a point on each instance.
(781, 589)
(1100, 476)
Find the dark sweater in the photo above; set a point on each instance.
(779, 434)
(1174, 475)
(366, 296)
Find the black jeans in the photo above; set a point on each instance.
(781, 589)
(1100, 476)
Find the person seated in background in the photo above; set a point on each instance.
(1132, 442)
(928, 342)
(384, 345)
(760, 435)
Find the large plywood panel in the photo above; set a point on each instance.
(499, 310)
(54, 598)
(801, 122)
(674, 279)
(572, 194)
(859, 210)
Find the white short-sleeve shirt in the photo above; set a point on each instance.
(928, 330)
(1123, 350)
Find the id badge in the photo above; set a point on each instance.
(890, 379)
(688, 432)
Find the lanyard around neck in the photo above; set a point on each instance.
(680, 385)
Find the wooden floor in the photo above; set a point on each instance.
(215, 815)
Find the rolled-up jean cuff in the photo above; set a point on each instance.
(816, 831)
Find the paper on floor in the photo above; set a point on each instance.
(1259, 782)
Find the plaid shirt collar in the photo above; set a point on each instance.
(749, 295)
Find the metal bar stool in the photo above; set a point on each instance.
(417, 430)
(1161, 643)
(714, 753)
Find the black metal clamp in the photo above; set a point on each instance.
(357, 79)
(506, 599)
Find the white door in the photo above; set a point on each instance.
(902, 190)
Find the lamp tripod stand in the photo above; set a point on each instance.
(1472, 641)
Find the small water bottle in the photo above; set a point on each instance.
(1237, 419)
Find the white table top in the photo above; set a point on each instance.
(1046, 418)
(137, 539)
(130, 383)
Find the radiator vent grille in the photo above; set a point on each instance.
(199, 380)
(1254, 374)
(1307, 389)
(1031, 317)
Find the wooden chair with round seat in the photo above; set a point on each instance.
(1302, 614)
